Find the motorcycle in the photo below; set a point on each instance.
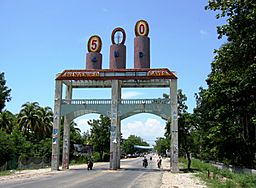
(89, 165)
(145, 163)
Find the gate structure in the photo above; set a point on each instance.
(116, 108)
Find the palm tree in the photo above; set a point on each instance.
(74, 128)
(7, 121)
(46, 121)
(28, 118)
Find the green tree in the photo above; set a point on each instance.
(188, 137)
(7, 147)
(4, 92)
(22, 146)
(35, 121)
(100, 135)
(128, 145)
(45, 148)
(75, 134)
(186, 127)
(28, 118)
(162, 145)
(227, 109)
(45, 121)
(7, 121)
(86, 138)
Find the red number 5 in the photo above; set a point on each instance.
(94, 44)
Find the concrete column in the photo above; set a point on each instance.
(115, 127)
(118, 128)
(66, 134)
(141, 52)
(56, 126)
(93, 60)
(174, 126)
(117, 56)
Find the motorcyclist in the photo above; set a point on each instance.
(90, 164)
(145, 162)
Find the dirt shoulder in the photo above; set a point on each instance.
(179, 180)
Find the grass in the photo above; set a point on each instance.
(222, 178)
(6, 173)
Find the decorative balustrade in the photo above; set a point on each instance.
(123, 101)
(145, 101)
(87, 101)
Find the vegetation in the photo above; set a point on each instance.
(215, 177)
(222, 127)
(187, 135)
(100, 135)
(5, 92)
(226, 110)
(128, 145)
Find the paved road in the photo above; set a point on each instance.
(131, 175)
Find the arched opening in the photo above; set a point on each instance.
(149, 128)
(82, 121)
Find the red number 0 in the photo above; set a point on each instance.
(94, 44)
(142, 29)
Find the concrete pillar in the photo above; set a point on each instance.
(115, 127)
(93, 60)
(66, 134)
(119, 129)
(141, 52)
(117, 56)
(174, 126)
(56, 126)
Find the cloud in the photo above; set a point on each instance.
(130, 94)
(203, 32)
(83, 125)
(148, 130)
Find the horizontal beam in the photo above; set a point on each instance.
(117, 74)
(153, 83)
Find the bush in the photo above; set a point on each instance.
(79, 160)
(96, 156)
(106, 157)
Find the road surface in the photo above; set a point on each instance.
(131, 175)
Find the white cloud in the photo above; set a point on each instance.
(148, 130)
(83, 125)
(130, 94)
(203, 32)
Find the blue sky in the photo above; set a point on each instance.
(39, 39)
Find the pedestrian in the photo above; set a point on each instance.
(159, 162)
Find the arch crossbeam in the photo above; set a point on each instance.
(74, 108)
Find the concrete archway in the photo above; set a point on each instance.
(115, 108)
